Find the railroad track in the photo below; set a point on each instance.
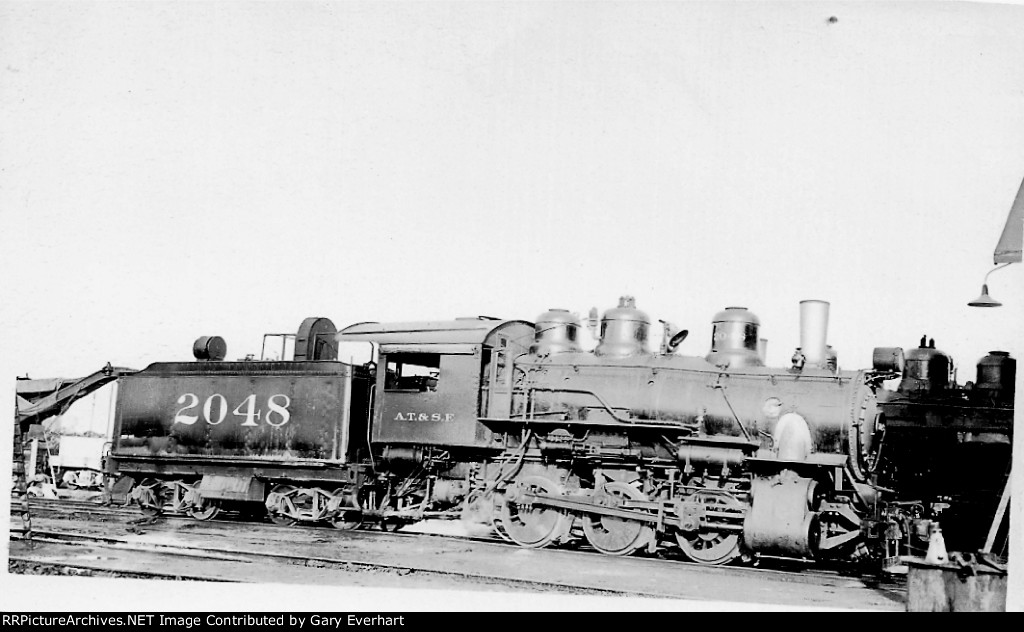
(55, 512)
(785, 566)
(321, 562)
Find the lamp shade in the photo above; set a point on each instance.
(985, 300)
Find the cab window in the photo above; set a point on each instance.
(417, 372)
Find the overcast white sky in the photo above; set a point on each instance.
(171, 170)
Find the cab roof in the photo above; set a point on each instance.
(462, 331)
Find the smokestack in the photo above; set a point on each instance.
(814, 331)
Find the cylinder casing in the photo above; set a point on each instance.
(781, 521)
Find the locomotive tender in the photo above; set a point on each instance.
(514, 425)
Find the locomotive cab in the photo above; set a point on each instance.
(435, 379)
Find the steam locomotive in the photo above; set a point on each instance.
(515, 426)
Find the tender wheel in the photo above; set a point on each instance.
(711, 547)
(150, 496)
(176, 497)
(281, 519)
(206, 510)
(347, 520)
(616, 536)
(277, 517)
(532, 526)
(349, 514)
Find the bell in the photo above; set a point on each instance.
(985, 300)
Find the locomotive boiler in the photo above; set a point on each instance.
(722, 454)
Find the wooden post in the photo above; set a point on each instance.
(997, 521)
(1015, 583)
